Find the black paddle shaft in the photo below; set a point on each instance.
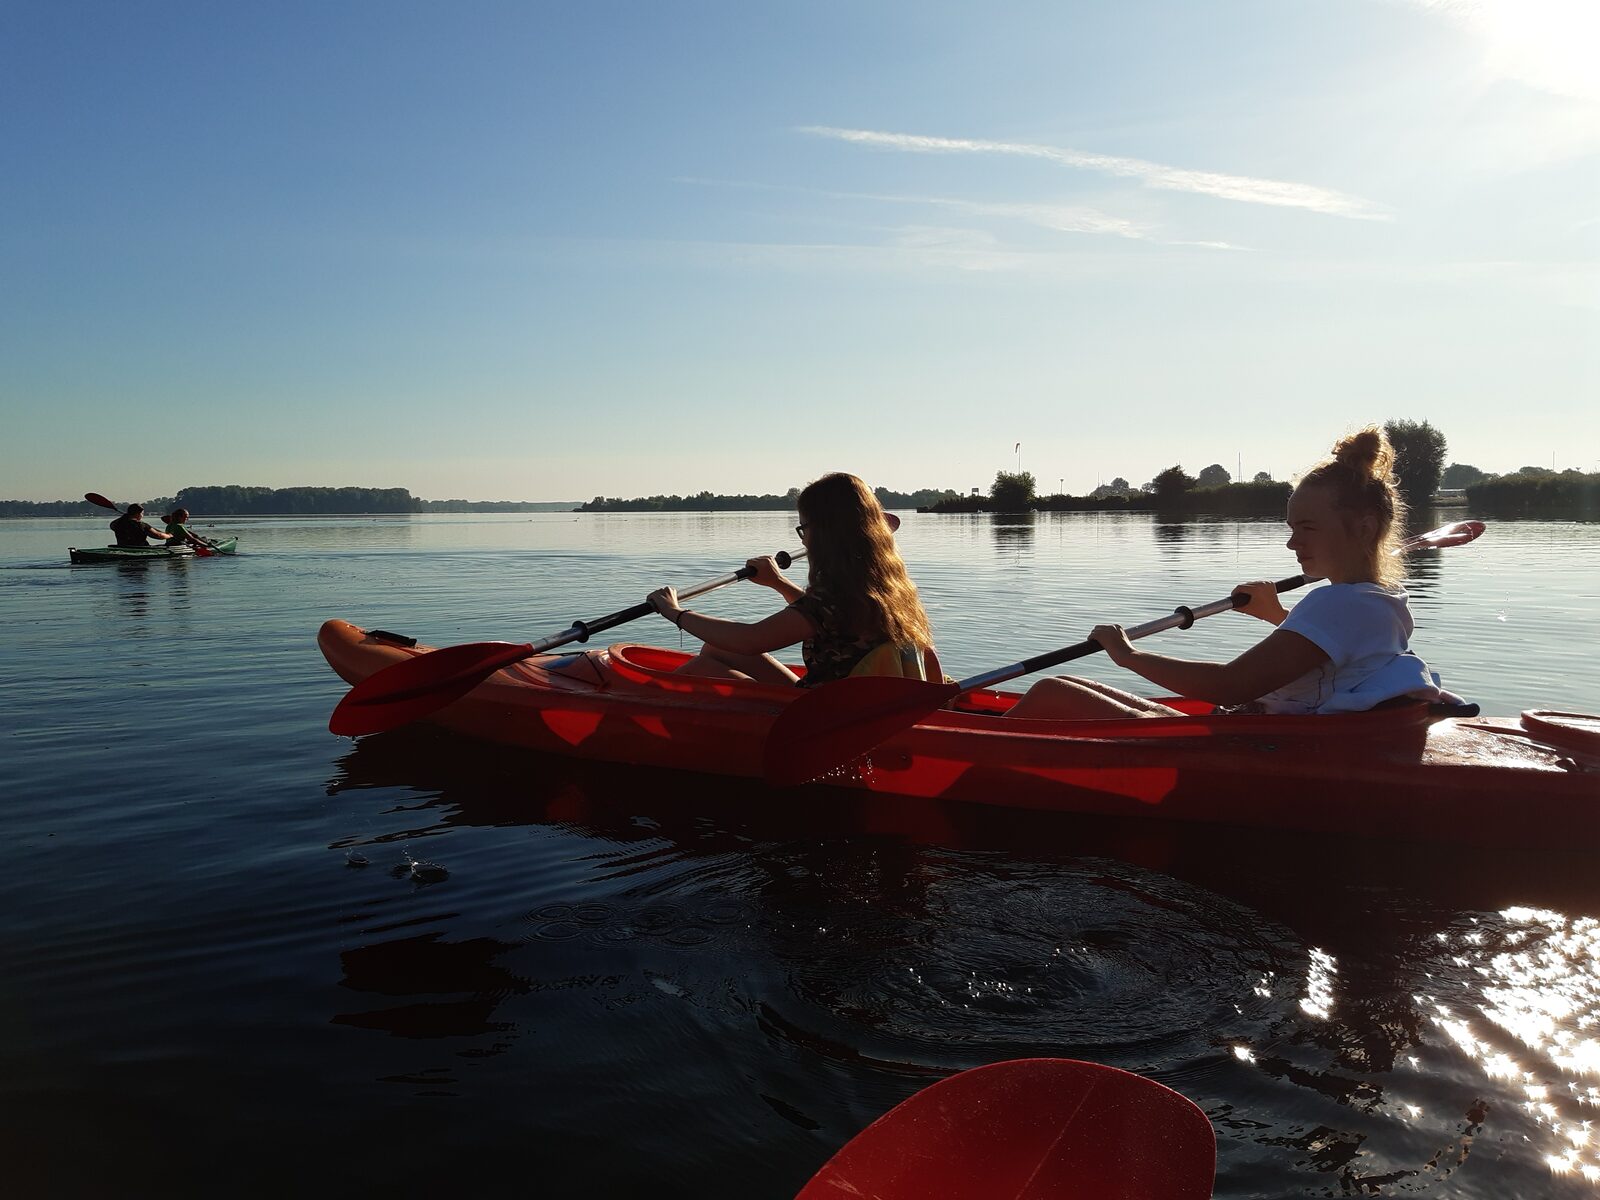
(581, 630)
(1182, 617)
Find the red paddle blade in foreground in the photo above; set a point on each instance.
(410, 690)
(1029, 1129)
(1458, 534)
(809, 740)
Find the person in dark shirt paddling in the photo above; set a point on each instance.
(133, 530)
(858, 602)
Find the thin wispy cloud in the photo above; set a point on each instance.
(1243, 188)
(1057, 218)
(1071, 219)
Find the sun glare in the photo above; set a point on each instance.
(1547, 44)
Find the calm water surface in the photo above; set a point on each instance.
(638, 983)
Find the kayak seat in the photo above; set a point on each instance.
(1447, 705)
(900, 662)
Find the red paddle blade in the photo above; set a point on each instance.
(97, 498)
(1458, 534)
(1030, 1129)
(202, 550)
(828, 726)
(410, 690)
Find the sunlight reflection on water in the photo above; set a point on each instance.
(1532, 1017)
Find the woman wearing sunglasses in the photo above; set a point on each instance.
(858, 611)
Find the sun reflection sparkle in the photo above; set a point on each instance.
(1318, 1000)
(1532, 1022)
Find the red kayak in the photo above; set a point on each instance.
(1399, 773)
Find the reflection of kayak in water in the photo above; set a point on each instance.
(100, 554)
(1404, 772)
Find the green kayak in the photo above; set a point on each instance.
(105, 554)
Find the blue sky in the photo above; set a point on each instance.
(541, 251)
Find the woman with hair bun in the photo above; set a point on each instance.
(859, 612)
(1343, 648)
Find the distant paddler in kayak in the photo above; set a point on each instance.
(179, 532)
(132, 529)
(859, 612)
(1344, 647)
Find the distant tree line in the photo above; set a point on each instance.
(50, 508)
(1173, 490)
(498, 506)
(1419, 466)
(234, 500)
(712, 502)
(1538, 492)
(1419, 462)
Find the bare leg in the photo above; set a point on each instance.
(1067, 698)
(726, 664)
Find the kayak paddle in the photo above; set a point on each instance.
(410, 690)
(1029, 1129)
(824, 728)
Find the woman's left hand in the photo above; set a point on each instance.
(1117, 646)
(764, 571)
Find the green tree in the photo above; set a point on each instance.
(1263, 477)
(1214, 476)
(1012, 491)
(1171, 485)
(1117, 487)
(1460, 475)
(1418, 459)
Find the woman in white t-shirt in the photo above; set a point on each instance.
(1343, 648)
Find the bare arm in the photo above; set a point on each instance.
(773, 633)
(1279, 658)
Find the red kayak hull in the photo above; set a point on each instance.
(1401, 773)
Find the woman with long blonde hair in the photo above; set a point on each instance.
(857, 598)
(1343, 648)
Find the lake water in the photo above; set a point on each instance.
(639, 983)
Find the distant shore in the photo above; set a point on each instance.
(1531, 493)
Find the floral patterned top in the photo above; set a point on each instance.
(834, 650)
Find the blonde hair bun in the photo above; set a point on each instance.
(1366, 452)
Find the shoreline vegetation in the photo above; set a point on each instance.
(1571, 495)
(236, 501)
(1529, 492)
(769, 502)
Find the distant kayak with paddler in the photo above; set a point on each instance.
(107, 554)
